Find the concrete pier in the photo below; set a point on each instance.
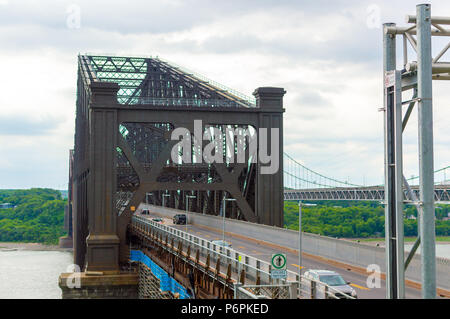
(65, 242)
(86, 285)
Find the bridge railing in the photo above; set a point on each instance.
(254, 270)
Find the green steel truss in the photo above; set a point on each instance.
(157, 82)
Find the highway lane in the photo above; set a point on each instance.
(264, 252)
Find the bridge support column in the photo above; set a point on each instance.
(67, 241)
(88, 286)
(103, 241)
(269, 190)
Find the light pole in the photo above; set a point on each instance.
(299, 244)
(147, 195)
(223, 214)
(187, 202)
(163, 199)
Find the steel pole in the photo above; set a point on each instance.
(389, 64)
(187, 201)
(164, 199)
(398, 186)
(223, 215)
(425, 119)
(300, 250)
(223, 219)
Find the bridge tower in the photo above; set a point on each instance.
(128, 110)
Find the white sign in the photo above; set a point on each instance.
(278, 273)
(389, 78)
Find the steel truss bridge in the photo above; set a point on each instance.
(126, 110)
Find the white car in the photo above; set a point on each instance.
(222, 243)
(332, 279)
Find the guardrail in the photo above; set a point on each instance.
(184, 102)
(240, 267)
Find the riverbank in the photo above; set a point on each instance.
(11, 246)
(442, 244)
(380, 241)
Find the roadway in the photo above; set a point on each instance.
(264, 252)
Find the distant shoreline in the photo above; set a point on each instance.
(8, 246)
(440, 240)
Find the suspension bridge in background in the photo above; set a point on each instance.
(303, 183)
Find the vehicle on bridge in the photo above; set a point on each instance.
(145, 212)
(180, 219)
(158, 220)
(222, 243)
(332, 279)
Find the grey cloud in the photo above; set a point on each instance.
(24, 38)
(105, 24)
(26, 126)
(231, 44)
(308, 104)
(156, 16)
(314, 99)
(40, 164)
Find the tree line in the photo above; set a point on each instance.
(354, 219)
(38, 216)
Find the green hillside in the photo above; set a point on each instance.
(355, 219)
(38, 216)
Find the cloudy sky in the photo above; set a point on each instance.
(326, 54)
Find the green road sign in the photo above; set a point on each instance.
(279, 261)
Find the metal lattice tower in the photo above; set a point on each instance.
(417, 77)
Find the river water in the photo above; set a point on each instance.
(29, 274)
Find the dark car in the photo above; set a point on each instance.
(145, 212)
(179, 219)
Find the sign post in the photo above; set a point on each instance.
(279, 265)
